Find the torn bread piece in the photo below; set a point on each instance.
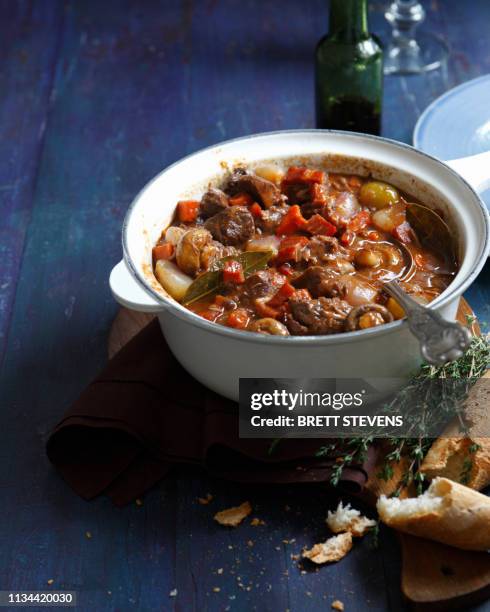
(447, 457)
(334, 549)
(349, 519)
(447, 512)
(232, 517)
(451, 453)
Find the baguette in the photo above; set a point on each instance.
(447, 512)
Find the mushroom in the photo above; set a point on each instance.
(367, 315)
(269, 326)
(189, 250)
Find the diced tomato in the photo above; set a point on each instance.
(281, 295)
(290, 248)
(298, 174)
(373, 235)
(241, 199)
(238, 318)
(291, 222)
(285, 269)
(264, 310)
(187, 210)
(317, 225)
(163, 251)
(233, 272)
(403, 232)
(347, 238)
(359, 221)
(256, 210)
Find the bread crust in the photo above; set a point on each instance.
(447, 455)
(462, 520)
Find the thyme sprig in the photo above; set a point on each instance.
(422, 403)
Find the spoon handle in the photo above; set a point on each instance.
(441, 341)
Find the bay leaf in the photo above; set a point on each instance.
(210, 282)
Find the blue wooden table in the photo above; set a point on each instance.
(97, 97)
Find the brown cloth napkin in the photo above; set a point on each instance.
(144, 414)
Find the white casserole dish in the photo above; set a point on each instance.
(218, 356)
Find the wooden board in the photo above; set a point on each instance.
(433, 575)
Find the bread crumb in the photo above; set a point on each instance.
(216, 589)
(349, 519)
(232, 517)
(88, 535)
(337, 605)
(334, 549)
(204, 501)
(255, 522)
(50, 581)
(173, 593)
(219, 570)
(138, 502)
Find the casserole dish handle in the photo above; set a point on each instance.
(475, 169)
(129, 293)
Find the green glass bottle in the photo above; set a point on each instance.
(349, 71)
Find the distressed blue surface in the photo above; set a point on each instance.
(96, 98)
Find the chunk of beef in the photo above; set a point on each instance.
(316, 279)
(325, 249)
(320, 316)
(231, 226)
(271, 218)
(213, 202)
(263, 284)
(262, 190)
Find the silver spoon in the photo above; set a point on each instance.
(441, 341)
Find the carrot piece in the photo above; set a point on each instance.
(211, 314)
(187, 210)
(318, 195)
(318, 225)
(264, 310)
(347, 237)
(285, 269)
(238, 318)
(403, 232)
(282, 295)
(299, 174)
(354, 182)
(291, 222)
(233, 272)
(256, 210)
(290, 248)
(241, 199)
(359, 221)
(163, 251)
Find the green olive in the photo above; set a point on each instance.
(376, 194)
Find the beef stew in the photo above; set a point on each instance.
(298, 253)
